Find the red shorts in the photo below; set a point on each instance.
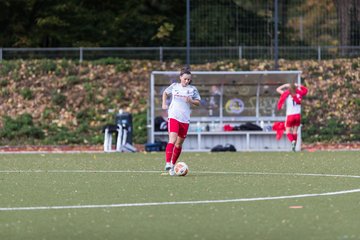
(180, 128)
(293, 120)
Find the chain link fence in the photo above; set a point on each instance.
(198, 55)
(241, 29)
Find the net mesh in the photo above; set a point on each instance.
(251, 23)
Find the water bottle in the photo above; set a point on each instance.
(198, 127)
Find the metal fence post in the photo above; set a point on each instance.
(161, 54)
(276, 33)
(1, 50)
(240, 52)
(319, 53)
(188, 32)
(81, 54)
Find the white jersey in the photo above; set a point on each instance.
(292, 107)
(179, 109)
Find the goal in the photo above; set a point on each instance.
(229, 100)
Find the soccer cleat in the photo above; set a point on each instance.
(171, 171)
(167, 166)
(293, 145)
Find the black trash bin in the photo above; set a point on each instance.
(125, 120)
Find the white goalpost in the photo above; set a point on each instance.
(229, 101)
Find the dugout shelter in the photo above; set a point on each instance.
(229, 102)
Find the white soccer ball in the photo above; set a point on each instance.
(181, 169)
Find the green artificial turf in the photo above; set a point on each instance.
(253, 181)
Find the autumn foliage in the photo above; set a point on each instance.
(71, 102)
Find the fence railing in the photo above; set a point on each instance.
(197, 54)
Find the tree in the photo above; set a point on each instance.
(103, 23)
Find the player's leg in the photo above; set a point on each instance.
(290, 124)
(183, 129)
(294, 130)
(297, 121)
(288, 128)
(173, 129)
(294, 137)
(289, 134)
(177, 149)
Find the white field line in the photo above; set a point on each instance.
(196, 172)
(77, 171)
(287, 174)
(179, 203)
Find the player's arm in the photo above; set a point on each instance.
(303, 90)
(195, 98)
(165, 95)
(195, 102)
(164, 98)
(280, 89)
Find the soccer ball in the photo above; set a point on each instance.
(181, 169)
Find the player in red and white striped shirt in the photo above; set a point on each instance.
(292, 94)
(184, 96)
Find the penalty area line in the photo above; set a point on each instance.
(121, 205)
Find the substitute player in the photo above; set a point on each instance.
(292, 94)
(184, 96)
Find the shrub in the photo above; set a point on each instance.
(96, 139)
(84, 71)
(47, 113)
(355, 133)
(4, 92)
(4, 83)
(62, 135)
(139, 127)
(121, 65)
(355, 65)
(26, 93)
(21, 127)
(58, 99)
(85, 115)
(64, 63)
(357, 102)
(72, 80)
(7, 66)
(47, 66)
(83, 128)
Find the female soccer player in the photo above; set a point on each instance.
(184, 96)
(292, 94)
